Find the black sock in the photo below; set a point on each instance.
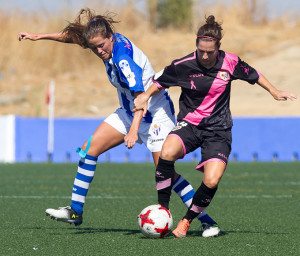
(164, 177)
(201, 200)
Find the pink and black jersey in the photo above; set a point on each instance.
(205, 93)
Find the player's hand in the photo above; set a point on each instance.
(130, 139)
(141, 103)
(26, 35)
(283, 96)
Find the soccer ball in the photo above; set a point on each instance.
(155, 221)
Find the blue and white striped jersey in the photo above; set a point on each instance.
(130, 71)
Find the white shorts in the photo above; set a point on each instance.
(152, 134)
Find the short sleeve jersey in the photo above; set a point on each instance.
(205, 93)
(130, 71)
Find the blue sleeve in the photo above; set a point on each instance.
(130, 72)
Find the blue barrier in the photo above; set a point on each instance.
(254, 139)
(266, 139)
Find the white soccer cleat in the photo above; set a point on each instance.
(210, 229)
(65, 214)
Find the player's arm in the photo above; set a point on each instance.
(141, 101)
(132, 136)
(57, 36)
(277, 94)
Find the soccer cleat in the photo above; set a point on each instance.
(182, 228)
(65, 214)
(210, 229)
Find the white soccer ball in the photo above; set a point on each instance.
(155, 221)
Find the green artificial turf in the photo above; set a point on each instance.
(257, 206)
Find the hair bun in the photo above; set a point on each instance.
(210, 20)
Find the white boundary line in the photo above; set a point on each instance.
(137, 197)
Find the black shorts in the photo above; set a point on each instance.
(215, 145)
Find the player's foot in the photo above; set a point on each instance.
(210, 229)
(65, 214)
(182, 228)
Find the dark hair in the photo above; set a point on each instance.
(88, 25)
(211, 31)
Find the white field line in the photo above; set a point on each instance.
(137, 197)
(255, 196)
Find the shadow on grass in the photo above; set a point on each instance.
(88, 230)
(224, 233)
(78, 230)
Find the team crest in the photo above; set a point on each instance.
(224, 75)
(156, 129)
(125, 67)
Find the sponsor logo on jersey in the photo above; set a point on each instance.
(156, 129)
(179, 125)
(157, 140)
(196, 75)
(126, 70)
(224, 75)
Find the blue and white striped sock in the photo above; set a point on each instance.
(186, 192)
(85, 174)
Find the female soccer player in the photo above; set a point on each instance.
(130, 71)
(204, 119)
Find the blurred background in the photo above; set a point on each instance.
(264, 33)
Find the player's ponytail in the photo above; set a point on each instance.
(88, 25)
(210, 31)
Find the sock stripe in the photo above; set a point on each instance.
(78, 198)
(163, 184)
(86, 172)
(181, 185)
(79, 190)
(188, 196)
(86, 166)
(177, 182)
(185, 190)
(197, 209)
(82, 184)
(188, 202)
(84, 178)
(89, 157)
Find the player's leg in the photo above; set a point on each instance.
(213, 172)
(216, 147)
(181, 186)
(104, 138)
(109, 134)
(186, 193)
(165, 171)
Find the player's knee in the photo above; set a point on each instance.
(169, 154)
(212, 182)
(92, 149)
